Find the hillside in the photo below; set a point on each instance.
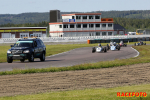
(39, 17)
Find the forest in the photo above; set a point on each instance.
(130, 20)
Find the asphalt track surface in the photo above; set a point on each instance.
(73, 57)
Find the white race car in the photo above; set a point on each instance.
(114, 46)
(99, 49)
(122, 44)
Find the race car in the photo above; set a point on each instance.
(139, 43)
(122, 44)
(114, 46)
(99, 49)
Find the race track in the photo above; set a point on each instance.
(73, 57)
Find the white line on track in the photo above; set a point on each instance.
(136, 51)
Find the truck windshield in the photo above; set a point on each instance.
(23, 44)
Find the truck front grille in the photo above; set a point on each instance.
(16, 51)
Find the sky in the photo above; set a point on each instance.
(26, 6)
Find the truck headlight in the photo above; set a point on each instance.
(8, 51)
(26, 51)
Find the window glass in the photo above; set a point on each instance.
(109, 33)
(65, 26)
(78, 17)
(71, 25)
(97, 33)
(72, 17)
(97, 17)
(91, 25)
(109, 25)
(60, 26)
(41, 42)
(23, 44)
(103, 33)
(103, 25)
(97, 25)
(78, 25)
(84, 17)
(84, 25)
(91, 17)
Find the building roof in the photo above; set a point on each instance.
(80, 22)
(118, 27)
(81, 14)
(2, 28)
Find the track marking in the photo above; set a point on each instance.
(136, 51)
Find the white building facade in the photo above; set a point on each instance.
(82, 24)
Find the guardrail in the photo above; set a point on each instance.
(74, 39)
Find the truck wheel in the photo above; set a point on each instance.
(43, 57)
(31, 59)
(9, 60)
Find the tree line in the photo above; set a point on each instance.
(130, 24)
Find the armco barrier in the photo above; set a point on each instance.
(118, 40)
(93, 39)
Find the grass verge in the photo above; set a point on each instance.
(144, 57)
(88, 94)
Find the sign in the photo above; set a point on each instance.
(65, 20)
(21, 30)
(71, 20)
(68, 20)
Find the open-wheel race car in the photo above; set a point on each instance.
(139, 43)
(114, 46)
(122, 44)
(99, 49)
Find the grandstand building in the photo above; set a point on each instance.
(20, 32)
(84, 24)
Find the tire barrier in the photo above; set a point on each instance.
(118, 40)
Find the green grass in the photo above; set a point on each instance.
(144, 57)
(87, 94)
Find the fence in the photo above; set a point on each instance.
(75, 39)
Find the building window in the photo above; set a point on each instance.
(109, 25)
(103, 33)
(78, 25)
(97, 25)
(84, 25)
(91, 25)
(103, 25)
(71, 25)
(65, 26)
(78, 17)
(97, 33)
(97, 17)
(72, 17)
(109, 33)
(91, 17)
(60, 26)
(84, 17)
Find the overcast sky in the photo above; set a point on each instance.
(24, 6)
